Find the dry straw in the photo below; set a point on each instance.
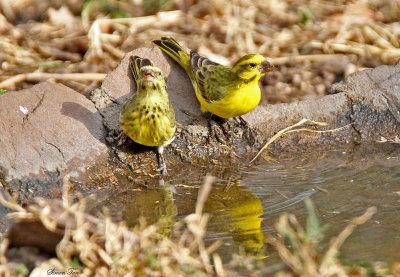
(292, 33)
(105, 248)
(290, 129)
(96, 246)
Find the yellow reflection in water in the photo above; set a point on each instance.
(153, 205)
(238, 211)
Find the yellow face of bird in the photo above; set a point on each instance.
(252, 67)
(151, 77)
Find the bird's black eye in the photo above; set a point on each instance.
(252, 65)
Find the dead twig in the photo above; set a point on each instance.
(160, 19)
(288, 130)
(41, 76)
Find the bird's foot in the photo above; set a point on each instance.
(121, 139)
(249, 132)
(216, 131)
(162, 169)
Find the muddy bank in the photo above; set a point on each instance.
(49, 130)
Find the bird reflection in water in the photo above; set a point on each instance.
(155, 206)
(238, 211)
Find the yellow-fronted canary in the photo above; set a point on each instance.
(224, 91)
(148, 117)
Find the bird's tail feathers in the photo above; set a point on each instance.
(174, 50)
(135, 63)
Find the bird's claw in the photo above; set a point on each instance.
(216, 131)
(249, 131)
(121, 139)
(162, 169)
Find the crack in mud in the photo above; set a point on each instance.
(26, 117)
(59, 150)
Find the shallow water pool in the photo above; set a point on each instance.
(245, 202)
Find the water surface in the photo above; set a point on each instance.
(245, 202)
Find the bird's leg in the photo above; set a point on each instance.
(161, 162)
(249, 132)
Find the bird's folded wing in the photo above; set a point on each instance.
(210, 81)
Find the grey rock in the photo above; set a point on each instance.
(366, 104)
(48, 130)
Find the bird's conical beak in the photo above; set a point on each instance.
(148, 75)
(266, 67)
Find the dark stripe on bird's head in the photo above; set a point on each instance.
(246, 81)
(250, 58)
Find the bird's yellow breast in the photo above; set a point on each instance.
(238, 101)
(147, 122)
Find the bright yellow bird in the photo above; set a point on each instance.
(148, 118)
(224, 91)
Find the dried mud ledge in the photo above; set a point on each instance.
(50, 130)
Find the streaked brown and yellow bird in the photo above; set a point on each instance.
(224, 91)
(148, 117)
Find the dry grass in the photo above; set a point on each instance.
(96, 246)
(303, 257)
(314, 43)
(104, 248)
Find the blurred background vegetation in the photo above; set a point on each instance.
(312, 43)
